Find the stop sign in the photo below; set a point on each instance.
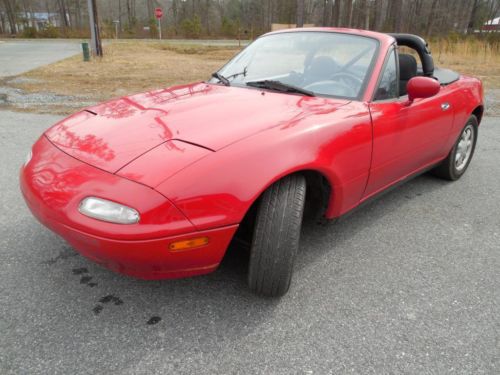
(158, 13)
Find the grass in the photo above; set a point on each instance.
(473, 57)
(136, 66)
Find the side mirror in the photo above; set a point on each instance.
(422, 87)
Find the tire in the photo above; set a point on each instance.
(276, 236)
(451, 168)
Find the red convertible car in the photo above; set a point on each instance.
(156, 185)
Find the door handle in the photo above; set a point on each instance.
(445, 106)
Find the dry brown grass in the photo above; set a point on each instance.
(128, 67)
(470, 57)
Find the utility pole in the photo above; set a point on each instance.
(95, 42)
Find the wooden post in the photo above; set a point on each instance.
(95, 42)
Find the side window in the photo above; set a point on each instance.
(388, 85)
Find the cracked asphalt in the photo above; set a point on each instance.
(408, 284)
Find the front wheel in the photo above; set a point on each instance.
(276, 236)
(454, 166)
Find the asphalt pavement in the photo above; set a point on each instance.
(20, 56)
(408, 284)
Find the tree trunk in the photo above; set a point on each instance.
(269, 14)
(348, 10)
(377, 15)
(207, 16)
(336, 13)
(129, 13)
(300, 13)
(431, 18)
(325, 13)
(64, 13)
(329, 13)
(78, 14)
(120, 20)
(395, 18)
(150, 8)
(367, 10)
(2, 23)
(11, 16)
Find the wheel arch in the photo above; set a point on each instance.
(478, 112)
(319, 196)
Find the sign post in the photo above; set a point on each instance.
(159, 15)
(117, 22)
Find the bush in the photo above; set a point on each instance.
(191, 27)
(49, 31)
(228, 27)
(29, 32)
(153, 28)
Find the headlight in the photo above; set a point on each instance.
(102, 209)
(28, 158)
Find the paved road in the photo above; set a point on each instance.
(17, 57)
(409, 284)
(205, 42)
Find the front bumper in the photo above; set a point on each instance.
(53, 185)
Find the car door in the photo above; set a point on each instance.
(406, 136)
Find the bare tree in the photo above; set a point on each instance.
(300, 13)
(63, 10)
(426, 17)
(9, 6)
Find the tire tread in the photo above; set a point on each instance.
(276, 236)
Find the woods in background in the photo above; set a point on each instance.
(244, 18)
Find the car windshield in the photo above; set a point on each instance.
(310, 63)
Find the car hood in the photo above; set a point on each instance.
(112, 134)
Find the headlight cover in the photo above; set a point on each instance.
(102, 209)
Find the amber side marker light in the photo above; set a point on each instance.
(188, 244)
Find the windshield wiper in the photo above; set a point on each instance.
(279, 86)
(244, 73)
(221, 78)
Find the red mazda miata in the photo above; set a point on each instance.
(156, 185)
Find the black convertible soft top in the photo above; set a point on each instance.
(445, 76)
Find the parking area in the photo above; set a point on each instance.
(20, 56)
(408, 284)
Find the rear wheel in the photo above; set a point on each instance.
(276, 236)
(455, 165)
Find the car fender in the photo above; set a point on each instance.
(218, 189)
(467, 96)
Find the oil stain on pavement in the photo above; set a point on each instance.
(84, 279)
(106, 300)
(153, 320)
(63, 254)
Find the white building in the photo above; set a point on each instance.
(492, 25)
